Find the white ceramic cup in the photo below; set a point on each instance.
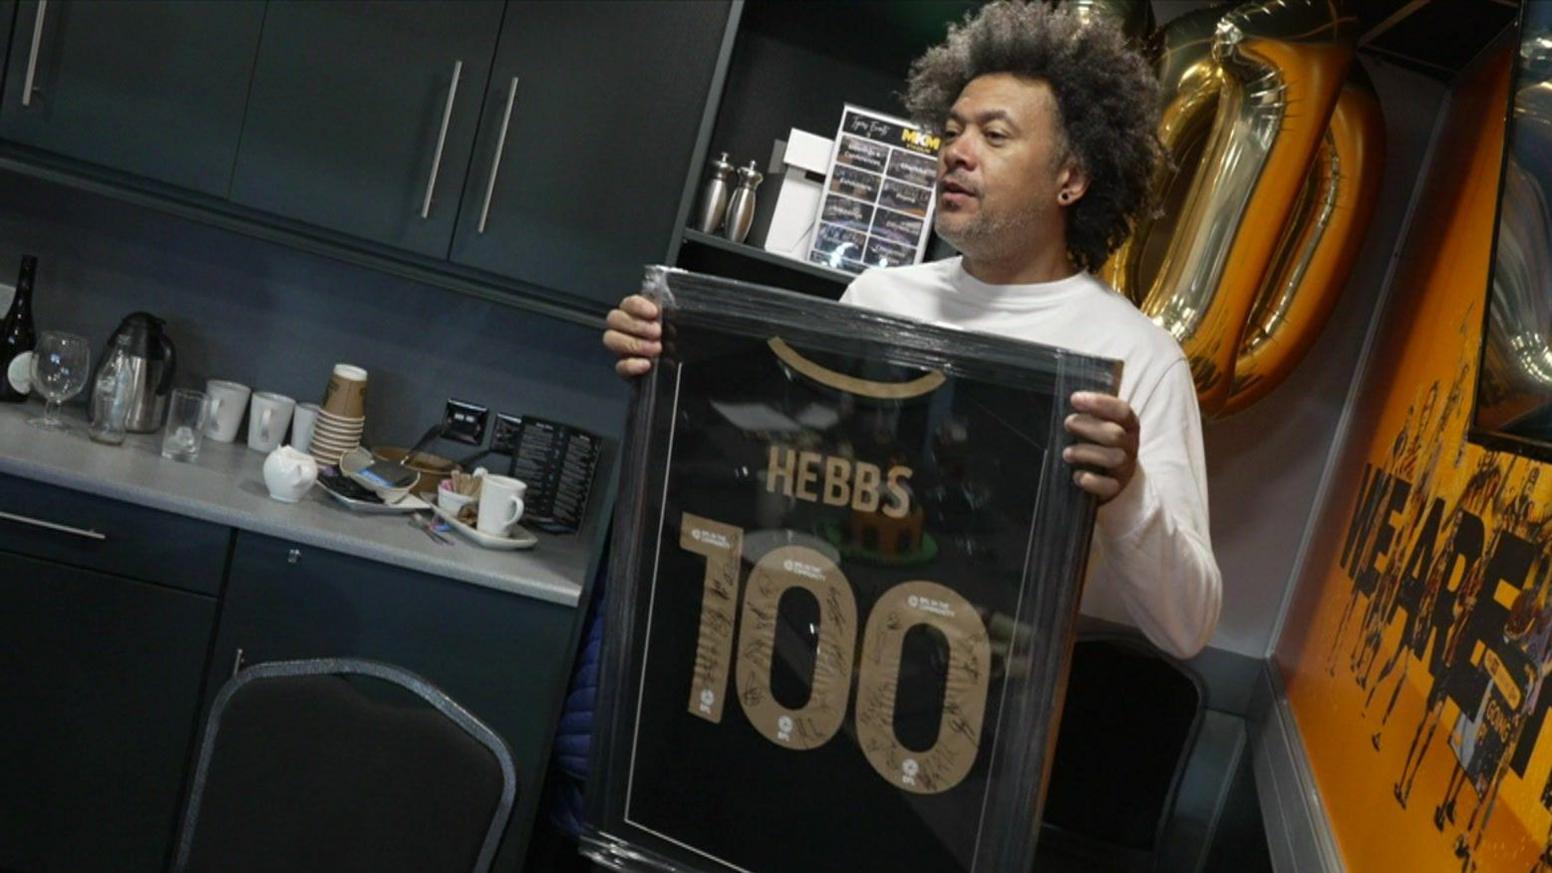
(269, 414)
(303, 420)
(228, 400)
(452, 501)
(501, 504)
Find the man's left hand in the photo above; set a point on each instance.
(1106, 451)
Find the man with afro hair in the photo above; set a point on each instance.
(1048, 123)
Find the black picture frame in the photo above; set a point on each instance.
(749, 373)
(1530, 66)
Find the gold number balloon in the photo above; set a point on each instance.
(1319, 248)
(1135, 17)
(1277, 152)
(1189, 81)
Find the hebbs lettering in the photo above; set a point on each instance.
(839, 481)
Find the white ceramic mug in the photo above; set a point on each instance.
(268, 417)
(303, 420)
(452, 501)
(501, 504)
(227, 402)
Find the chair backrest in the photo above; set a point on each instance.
(1128, 725)
(344, 765)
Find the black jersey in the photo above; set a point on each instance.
(834, 556)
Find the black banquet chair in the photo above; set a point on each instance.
(343, 765)
(1141, 768)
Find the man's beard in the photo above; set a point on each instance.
(988, 236)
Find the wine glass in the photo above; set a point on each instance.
(61, 364)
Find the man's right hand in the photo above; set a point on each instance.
(635, 334)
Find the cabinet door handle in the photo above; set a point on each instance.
(49, 525)
(32, 57)
(436, 159)
(501, 145)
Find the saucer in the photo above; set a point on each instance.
(357, 459)
(364, 501)
(521, 537)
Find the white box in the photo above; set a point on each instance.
(807, 157)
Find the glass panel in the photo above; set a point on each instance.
(1514, 387)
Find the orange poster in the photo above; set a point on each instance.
(1417, 646)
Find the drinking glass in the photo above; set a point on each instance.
(187, 410)
(61, 364)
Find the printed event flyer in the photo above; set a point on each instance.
(878, 200)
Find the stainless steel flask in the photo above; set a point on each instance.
(151, 364)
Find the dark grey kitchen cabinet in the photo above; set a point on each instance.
(99, 685)
(7, 16)
(504, 657)
(155, 89)
(590, 120)
(356, 123)
(110, 536)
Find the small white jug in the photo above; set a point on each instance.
(288, 474)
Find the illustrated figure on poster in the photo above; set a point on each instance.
(1381, 610)
(1470, 684)
(1408, 580)
(1541, 702)
(1458, 391)
(1481, 492)
(1544, 863)
(1363, 579)
(1522, 660)
(1428, 601)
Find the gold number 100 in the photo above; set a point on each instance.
(900, 609)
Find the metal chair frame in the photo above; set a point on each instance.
(344, 667)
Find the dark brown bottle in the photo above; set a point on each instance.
(17, 336)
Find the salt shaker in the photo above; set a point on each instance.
(740, 211)
(714, 199)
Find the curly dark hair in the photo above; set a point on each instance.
(1106, 93)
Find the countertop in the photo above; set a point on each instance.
(226, 486)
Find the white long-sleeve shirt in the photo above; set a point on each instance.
(1151, 563)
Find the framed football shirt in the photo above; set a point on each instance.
(847, 561)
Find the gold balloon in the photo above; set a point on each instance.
(1134, 17)
(1273, 55)
(1276, 159)
(1319, 248)
(1189, 82)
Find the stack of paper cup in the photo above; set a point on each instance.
(342, 415)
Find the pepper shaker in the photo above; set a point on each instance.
(714, 198)
(740, 211)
